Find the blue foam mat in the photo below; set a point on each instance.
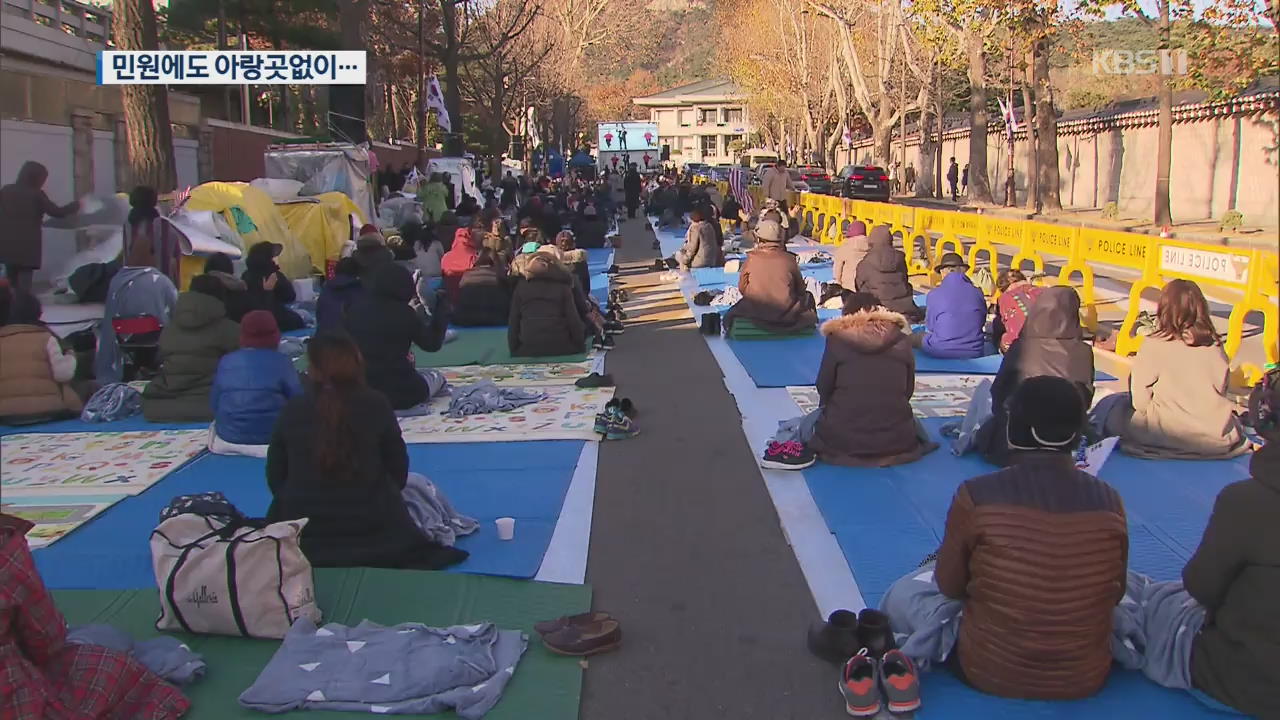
(525, 480)
(886, 520)
(137, 422)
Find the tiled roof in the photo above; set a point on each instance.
(713, 87)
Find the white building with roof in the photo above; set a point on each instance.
(700, 121)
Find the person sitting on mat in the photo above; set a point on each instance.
(1032, 565)
(236, 298)
(850, 254)
(774, 297)
(1050, 343)
(954, 315)
(1235, 576)
(1177, 405)
(545, 319)
(460, 258)
(191, 346)
(589, 228)
(883, 273)
(700, 248)
(36, 374)
(268, 288)
(574, 259)
(484, 295)
(338, 294)
(865, 383)
(386, 322)
(337, 458)
(250, 388)
(427, 250)
(1017, 295)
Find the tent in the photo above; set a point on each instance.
(322, 224)
(325, 167)
(252, 218)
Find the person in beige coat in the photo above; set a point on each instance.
(849, 254)
(1177, 405)
(776, 182)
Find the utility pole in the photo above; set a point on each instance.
(421, 138)
(245, 101)
(902, 127)
(1010, 183)
(222, 45)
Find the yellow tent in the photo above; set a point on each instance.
(254, 216)
(323, 226)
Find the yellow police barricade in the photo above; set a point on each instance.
(1251, 273)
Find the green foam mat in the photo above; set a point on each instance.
(744, 329)
(545, 687)
(476, 346)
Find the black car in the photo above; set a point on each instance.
(864, 182)
(817, 178)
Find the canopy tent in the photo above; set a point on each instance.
(325, 167)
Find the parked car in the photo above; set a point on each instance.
(798, 183)
(817, 178)
(864, 182)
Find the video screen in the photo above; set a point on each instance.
(628, 136)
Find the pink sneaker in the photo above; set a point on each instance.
(789, 455)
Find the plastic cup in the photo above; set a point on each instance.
(506, 528)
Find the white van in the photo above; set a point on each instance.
(756, 157)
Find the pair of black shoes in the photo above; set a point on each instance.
(845, 634)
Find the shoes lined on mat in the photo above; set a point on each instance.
(836, 639)
(859, 686)
(620, 427)
(790, 455)
(627, 407)
(604, 343)
(581, 639)
(595, 380)
(549, 626)
(615, 327)
(874, 632)
(899, 682)
(710, 323)
(612, 270)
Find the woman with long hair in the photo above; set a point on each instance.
(337, 458)
(1177, 405)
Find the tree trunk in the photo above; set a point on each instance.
(453, 143)
(1032, 180)
(420, 135)
(146, 107)
(1050, 186)
(1164, 135)
(979, 180)
(353, 19)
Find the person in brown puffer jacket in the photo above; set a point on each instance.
(773, 292)
(1038, 553)
(865, 383)
(35, 373)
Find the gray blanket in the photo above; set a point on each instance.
(165, 656)
(433, 513)
(485, 397)
(401, 669)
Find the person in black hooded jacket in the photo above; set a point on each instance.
(484, 294)
(268, 288)
(338, 294)
(1051, 343)
(385, 322)
(883, 273)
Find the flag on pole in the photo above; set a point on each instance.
(435, 101)
(845, 137)
(739, 185)
(1010, 122)
(534, 139)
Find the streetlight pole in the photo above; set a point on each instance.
(1010, 183)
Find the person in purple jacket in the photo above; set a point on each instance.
(954, 315)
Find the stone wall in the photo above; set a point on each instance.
(1218, 163)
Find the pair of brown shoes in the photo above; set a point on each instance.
(581, 635)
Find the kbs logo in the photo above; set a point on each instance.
(1140, 62)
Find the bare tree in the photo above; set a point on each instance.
(492, 83)
(146, 107)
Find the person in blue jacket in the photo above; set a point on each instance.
(954, 315)
(252, 384)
